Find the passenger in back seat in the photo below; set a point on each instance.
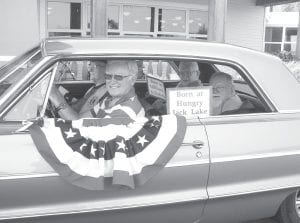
(225, 98)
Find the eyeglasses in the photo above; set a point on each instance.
(218, 89)
(116, 77)
(188, 73)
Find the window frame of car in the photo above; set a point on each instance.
(28, 83)
(52, 60)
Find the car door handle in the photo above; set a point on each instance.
(197, 144)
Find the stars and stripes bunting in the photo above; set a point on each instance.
(98, 153)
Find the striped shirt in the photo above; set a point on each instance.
(125, 110)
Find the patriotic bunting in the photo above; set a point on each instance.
(99, 154)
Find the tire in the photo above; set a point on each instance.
(289, 212)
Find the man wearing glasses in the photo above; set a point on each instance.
(121, 100)
(189, 74)
(225, 98)
(189, 77)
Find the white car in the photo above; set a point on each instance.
(239, 166)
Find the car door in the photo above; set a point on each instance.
(29, 188)
(254, 163)
(254, 158)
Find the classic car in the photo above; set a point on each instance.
(230, 167)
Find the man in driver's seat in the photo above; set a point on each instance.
(121, 100)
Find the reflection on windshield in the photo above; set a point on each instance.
(14, 70)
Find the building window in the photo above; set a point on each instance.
(198, 22)
(170, 20)
(138, 19)
(133, 20)
(278, 39)
(113, 17)
(73, 17)
(64, 18)
(67, 17)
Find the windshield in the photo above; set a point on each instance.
(18, 67)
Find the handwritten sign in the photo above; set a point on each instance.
(189, 102)
(156, 88)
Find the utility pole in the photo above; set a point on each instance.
(98, 18)
(216, 21)
(298, 38)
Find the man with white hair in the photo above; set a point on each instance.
(189, 74)
(121, 100)
(225, 98)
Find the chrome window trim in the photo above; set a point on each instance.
(55, 66)
(253, 83)
(23, 81)
(20, 65)
(23, 93)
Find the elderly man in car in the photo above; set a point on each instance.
(121, 100)
(225, 98)
(189, 74)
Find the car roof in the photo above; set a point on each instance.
(267, 71)
(149, 46)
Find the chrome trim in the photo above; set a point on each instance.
(253, 83)
(53, 72)
(28, 176)
(255, 156)
(29, 88)
(22, 64)
(21, 83)
(54, 174)
(289, 111)
(100, 206)
(254, 191)
(188, 163)
(249, 118)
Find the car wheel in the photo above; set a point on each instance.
(289, 211)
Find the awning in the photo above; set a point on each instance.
(274, 2)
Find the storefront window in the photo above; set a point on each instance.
(273, 34)
(113, 17)
(272, 48)
(73, 18)
(290, 47)
(279, 39)
(170, 20)
(291, 34)
(138, 18)
(52, 34)
(198, 22)
(64, 15)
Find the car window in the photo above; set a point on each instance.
(31, 103)
(162, 89)
(219, 89)
(75, 70)
(13, 71)
(163, 70)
